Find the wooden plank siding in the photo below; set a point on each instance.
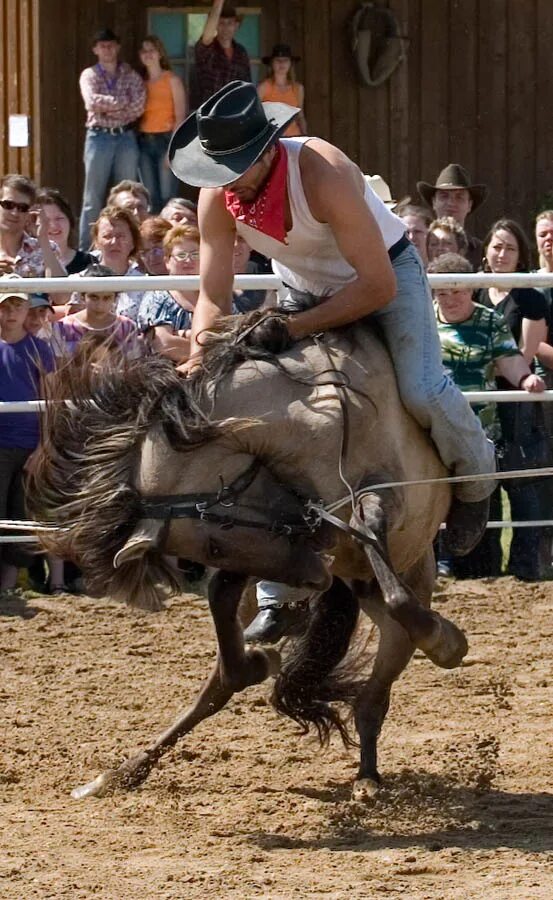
(19, 93)
(475, 88)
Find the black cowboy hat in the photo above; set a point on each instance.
(226, 136)
(105, 34)
(282, 51)
(453, 177)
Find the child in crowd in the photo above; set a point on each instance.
(23, 358)
(97, 321)
(40, 317)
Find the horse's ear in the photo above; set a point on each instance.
(146, 536)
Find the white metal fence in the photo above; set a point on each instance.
(271, 282)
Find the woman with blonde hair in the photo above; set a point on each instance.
(281, 86)
(165, 108)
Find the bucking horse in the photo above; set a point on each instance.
(293, 468)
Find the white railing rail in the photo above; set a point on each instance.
(258, 282)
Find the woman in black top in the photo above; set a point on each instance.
(506, 250)
(61, 228)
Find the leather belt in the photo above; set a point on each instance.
(114, 129)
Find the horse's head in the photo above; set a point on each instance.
(225, 509)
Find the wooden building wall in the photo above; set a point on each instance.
(476, 88)
(19, 91)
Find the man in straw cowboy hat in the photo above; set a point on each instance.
(343, 256)
(454, 195)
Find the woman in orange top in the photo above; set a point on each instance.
(281, 86)
(165, 108)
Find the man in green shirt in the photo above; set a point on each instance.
(477, 344)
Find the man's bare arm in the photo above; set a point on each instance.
(334, 190)
(217, 233)
(210, 30)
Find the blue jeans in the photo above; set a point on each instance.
(155, 174)
(410, 332)
(108, 159)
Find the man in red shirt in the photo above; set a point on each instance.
(219, 58)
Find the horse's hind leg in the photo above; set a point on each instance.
(437, 637)
(395, 649)
(234, 670)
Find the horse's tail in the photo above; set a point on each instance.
(82, 482)
(311, 678)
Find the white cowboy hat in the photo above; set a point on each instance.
(381, 189)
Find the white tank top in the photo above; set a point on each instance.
(311, 260)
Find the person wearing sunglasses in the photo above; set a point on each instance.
(20, 252)
(165, 317)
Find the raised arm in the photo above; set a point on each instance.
(334, 190)
(210, 30)
(217, 233)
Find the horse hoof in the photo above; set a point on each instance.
(364, 790)
(99, 787)
(449, 646)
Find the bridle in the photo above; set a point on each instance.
(224, 508)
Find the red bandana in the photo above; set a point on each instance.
(266, 212)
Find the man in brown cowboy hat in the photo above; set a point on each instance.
(218, 57)
(454, 195)
(342, 255)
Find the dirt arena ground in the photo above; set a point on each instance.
(246, 808)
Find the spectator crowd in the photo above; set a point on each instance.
(134, 223)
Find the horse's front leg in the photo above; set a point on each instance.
(238, 667)
(436, 636)
(234, 670)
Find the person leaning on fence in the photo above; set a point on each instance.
(524, 440)
(97, 322)
(152, 253)
(114, 96)
(23, 359)
(477, 346)
(544, 244)
(165, 317)
(117, 244)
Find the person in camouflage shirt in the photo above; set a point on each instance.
(477, 344)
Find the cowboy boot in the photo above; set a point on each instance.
(465, 525)
(275, 622)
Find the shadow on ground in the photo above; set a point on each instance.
(432, 812)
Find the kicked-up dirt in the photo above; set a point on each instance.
(245, 807)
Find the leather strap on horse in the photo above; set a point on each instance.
(377, 46)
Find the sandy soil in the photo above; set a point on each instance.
(245, 807)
